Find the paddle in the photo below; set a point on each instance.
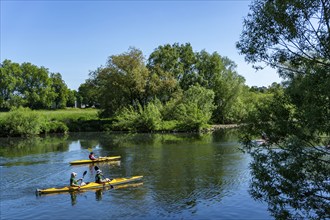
(84, 174)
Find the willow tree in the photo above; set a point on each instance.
(292, 36)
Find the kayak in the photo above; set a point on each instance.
(90, 185)
(103, 159)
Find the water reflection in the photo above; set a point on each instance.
(73, 198)
(19, 147)
(74, 195)
(183, 174)
(295, 186)
(91, 166)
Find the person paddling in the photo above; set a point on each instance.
(99, 177)
(92, 156)
(74, 182)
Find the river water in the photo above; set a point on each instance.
(185, 176)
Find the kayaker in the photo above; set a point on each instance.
(99, 177)
(74, 182)
(91, 156)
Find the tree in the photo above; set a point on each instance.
(161, 85)
(178, 60)
(195, 109)
(36, 86)
(122, 82)
(88, 93)
(293, 37)
(60, 89)
(218, 74)
(208, 70)
(10, 81)
(73, 98)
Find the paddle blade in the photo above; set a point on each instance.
(96, 168)
(84, 173)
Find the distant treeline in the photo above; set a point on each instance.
(35, 87)
(175, 88)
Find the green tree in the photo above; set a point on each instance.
(293, 37)
(161, 85)
(89, 93)
(36, 86)
(218, 74)
(122, 82)
(60, 89)
(10, 81)
(178, 60)
(195, 110)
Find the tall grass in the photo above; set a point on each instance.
(27, 122)
(70, 114)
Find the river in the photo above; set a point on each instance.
(185, 176)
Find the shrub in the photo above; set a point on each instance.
(23, 122)
(195, 110)
(150, 118)
(147, 118)
(55, 127)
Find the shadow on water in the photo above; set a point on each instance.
(294, 185)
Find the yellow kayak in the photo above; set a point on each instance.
(91, 185)
(102, 159)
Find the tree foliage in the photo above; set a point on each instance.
(88, 93)
(10, 81)
(28, 85)
(293, 37)
(36, 86)
(176, 59)
(208, 70)
(139, 118)
(60, 89)
(122, 82)
(195, 109)
(23, 122)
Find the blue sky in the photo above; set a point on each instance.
(75, 37)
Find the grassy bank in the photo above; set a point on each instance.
(70, 114)
(25, 122)
(64, 114)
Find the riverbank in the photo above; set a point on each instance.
(24, 122)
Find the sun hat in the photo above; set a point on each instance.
(74, 174)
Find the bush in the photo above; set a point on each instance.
(195, 110)
(23, 122)
(55, 127)
(144, 119)
(191, 117)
